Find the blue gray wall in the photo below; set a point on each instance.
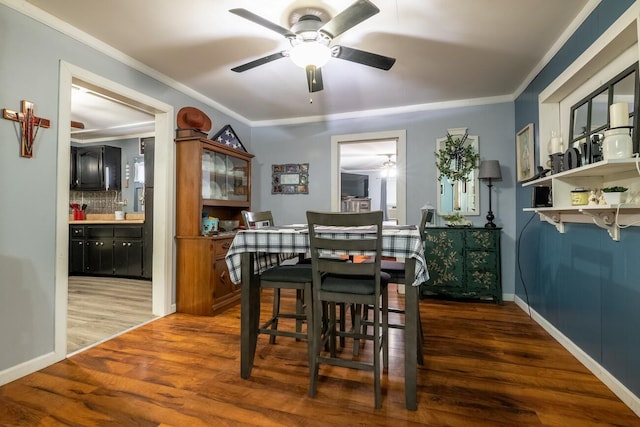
(30, 53)
(581, 281)
(311, 142)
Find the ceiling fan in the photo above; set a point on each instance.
(311, 38)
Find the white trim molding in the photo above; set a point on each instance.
(400, 136)
(627, 397)
(164, 208)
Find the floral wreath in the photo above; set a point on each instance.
(456, 160)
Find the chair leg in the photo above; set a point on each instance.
(308, 311)
(385, 329)
(300, 295)
(332, 328)
(275, 313)
(317, 325)
(343, 319)
(420, 333)
(358, 325)
(376, 358)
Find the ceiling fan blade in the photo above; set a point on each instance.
(259, 61)
(350, 17)
(244, 13)
(314, 79)
(362, 57)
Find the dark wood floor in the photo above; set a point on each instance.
(485, 365)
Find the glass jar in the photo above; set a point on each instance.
(579, 197)
(617, 144)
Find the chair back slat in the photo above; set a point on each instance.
(257, 219)
(327, 231)
(426, 217)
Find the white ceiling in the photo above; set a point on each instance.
(446, 50)
(449, 52)
(105, 117)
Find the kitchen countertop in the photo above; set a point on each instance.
(130, 218)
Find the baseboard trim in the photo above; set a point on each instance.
(28, 367)
(626, 395)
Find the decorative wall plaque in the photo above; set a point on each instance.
(290, 179)
(29, 125)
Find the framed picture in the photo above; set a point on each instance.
(525, 159)
(290, 178)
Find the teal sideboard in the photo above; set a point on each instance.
(463, 262)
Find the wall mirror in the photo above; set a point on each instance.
(590, 116)
(458, 196)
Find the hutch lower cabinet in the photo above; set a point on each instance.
(212, 180)
(205, 287)
(463, 262)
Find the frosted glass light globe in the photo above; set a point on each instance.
(310, 53)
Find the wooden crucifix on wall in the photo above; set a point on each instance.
(29, 125)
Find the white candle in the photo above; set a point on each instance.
(556, 144)
(618, 115)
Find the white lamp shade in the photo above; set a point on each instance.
(310, 53)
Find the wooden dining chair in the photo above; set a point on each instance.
(396, 270)
(283, 276)
(348, 283)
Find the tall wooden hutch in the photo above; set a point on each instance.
(211, 180)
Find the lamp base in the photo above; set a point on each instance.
(490, 218)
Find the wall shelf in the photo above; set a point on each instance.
(594, 176)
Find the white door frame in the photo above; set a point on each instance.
(401, 170)
(163, 212)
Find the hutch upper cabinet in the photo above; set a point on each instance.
(211, 180)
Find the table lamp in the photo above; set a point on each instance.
(489, 169)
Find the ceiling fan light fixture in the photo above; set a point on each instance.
(310, 53)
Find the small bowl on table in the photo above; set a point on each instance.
(228, 225)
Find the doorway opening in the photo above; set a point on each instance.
(380, 152)
(163, 214)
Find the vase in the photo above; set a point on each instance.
(615, 198)
(617, 144)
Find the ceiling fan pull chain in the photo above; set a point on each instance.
(311, 80)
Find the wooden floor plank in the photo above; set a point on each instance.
(101, 307)
(485, 365)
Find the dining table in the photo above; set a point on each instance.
(257, 249)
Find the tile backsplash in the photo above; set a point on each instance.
(98, 202)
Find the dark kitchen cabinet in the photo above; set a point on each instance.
(73, 162)
(95, 168)
(99, 250)
(77, 245)
(106, 250)
(127, 251)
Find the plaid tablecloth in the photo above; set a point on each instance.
(397, 241)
